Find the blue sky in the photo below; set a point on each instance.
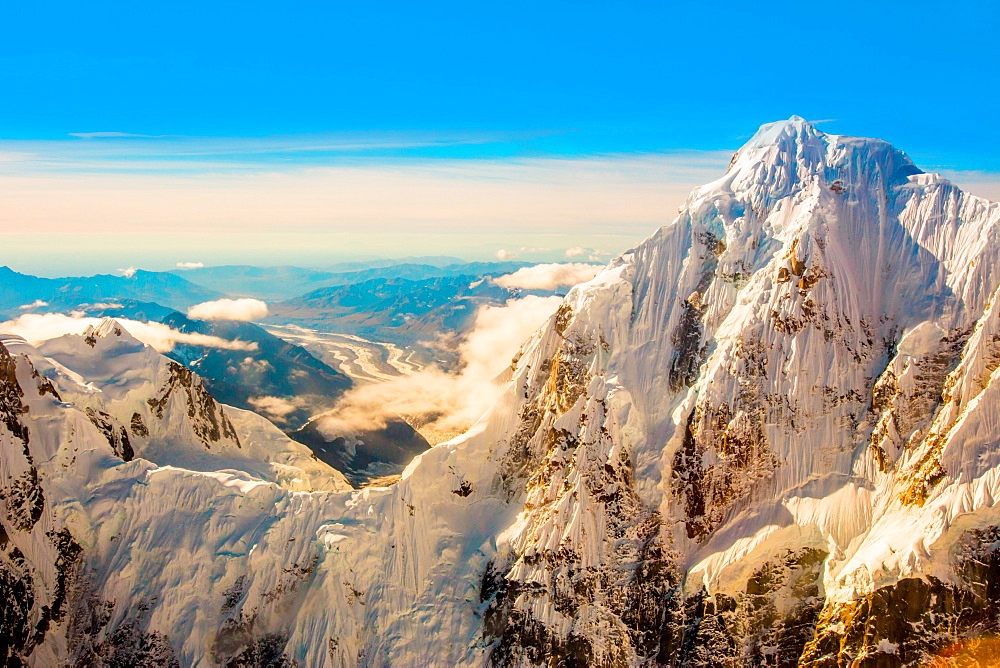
(244, 88)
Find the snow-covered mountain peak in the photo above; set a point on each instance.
(744, 357)
(787, 157)
(108, 327)
(795, 128)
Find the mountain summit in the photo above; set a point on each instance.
(765, 436)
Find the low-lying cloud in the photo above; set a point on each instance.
(229, 309)
(36, 328)
(276, 408)
(446, 403)
(38, 303)
(549, 276)
(190, 265)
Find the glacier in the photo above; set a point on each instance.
(767, 435)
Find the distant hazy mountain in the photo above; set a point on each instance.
(433, 260)
(266, 283)
(278, 283)
(18, 289)
(396, 309)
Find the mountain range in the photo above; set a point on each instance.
(18, 290)
(767, 435)
(426, 314)
(280, 283)
(424, 306)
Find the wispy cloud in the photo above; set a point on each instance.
(554, 194)
(393, 193)
(36, 328)
(444, 402)
(115, 135)
(276, 408)
(129, 152)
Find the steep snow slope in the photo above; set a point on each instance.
(773, 376)
(766, 435)
(212, 547)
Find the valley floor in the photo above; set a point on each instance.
(361, 359)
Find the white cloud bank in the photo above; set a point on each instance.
(440, 402)
(35, 328)
(548, 276)
(229, 309)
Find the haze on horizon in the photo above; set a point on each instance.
(311, 134)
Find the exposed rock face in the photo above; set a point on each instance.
(765, 436)
(787, 365)
(914, 620)
(56, 610)
(210, 424)
(115, 432)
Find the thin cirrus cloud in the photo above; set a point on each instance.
(113, 135)
(134, 152)
(387, 183)
(127, 183)
(531, 195)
